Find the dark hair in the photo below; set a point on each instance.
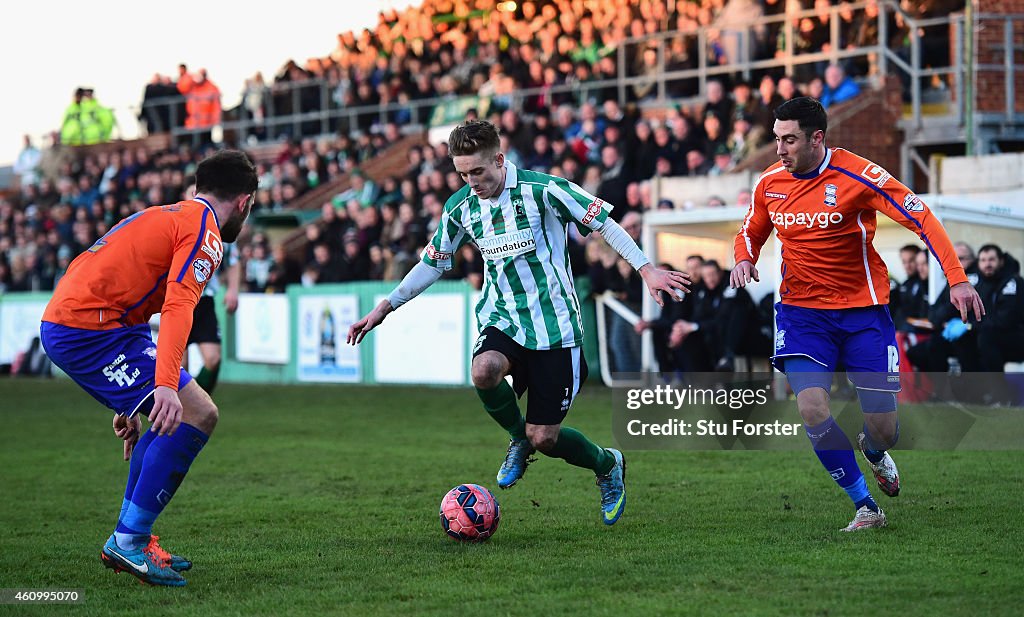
(910, 248)
(226, 174)
(992, 247)
(713, 263)
(473, 136)
(805, 110)
(700, 257)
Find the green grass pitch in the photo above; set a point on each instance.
(323, 500)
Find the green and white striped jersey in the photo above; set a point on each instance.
(528, 292)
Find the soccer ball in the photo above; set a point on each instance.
(470, 513)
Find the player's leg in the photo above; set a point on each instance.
(164, 464)
(117, 367)
(206, 333)
(207, 377)
(806, 350)
(493, 356)
(166, 460)
(554, 380)
(872, 361)
(811, 382)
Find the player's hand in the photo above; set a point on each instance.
(127, 429)
(678, 334)
(166, 414)
(359, 329)
(671, 282)
(641, 326)
(742, 274)
(231, 302)
(965, 298)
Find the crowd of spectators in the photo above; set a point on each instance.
(715, 325)
(933, 337)
(557, 52)
(375, 230)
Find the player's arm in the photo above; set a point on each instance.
(574, 205)
(234, 276)
(754, 232)
(419, 278)
(436, 258)
(903, 206)
(191, 268)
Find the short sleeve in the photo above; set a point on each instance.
(575, 205)
(447, 240)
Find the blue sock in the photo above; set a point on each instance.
(873, 451)
(127, 539)
(164, 465)
(836, 455)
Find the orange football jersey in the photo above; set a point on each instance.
(825, 221)
(155, 261)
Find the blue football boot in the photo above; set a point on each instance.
(516, 461)
(150, 564)
(613, 489)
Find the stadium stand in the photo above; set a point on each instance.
(613, 95)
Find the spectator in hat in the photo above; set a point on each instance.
(722, 161)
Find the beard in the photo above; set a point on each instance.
(233, 226)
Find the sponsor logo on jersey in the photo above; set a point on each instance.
(202, 269)
(593, 210)
(213, 247)
(876, 175)
(913, 203)
(808, 220)
(831, 195)
(437, 255)
(507, 245)
(772, 195)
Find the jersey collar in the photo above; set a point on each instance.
(821, 168)
(511, 175)
(210, 208)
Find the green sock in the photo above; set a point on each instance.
(207, 379)
(500, 404)
(576, 449)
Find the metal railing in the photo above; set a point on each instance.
(328, 115)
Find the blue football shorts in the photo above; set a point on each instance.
(861, 341)
(117, 367)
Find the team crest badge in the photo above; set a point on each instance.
(831, 195)
(913, 203)
(202, 269)
(517, 205)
